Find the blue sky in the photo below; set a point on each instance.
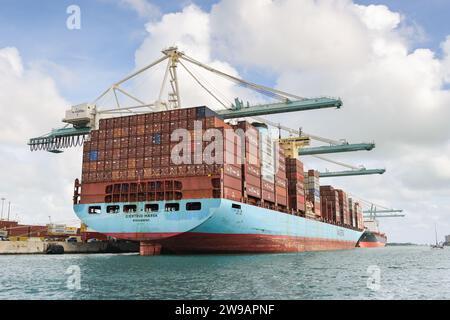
(111, 33)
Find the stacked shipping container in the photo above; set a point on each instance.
(139, 148)
(251, 167)
(330, 204)
(133, 158)
(352, 213)
(359, 216)
(281, 182)
(343, 208)
(312, 186)
(296, 180)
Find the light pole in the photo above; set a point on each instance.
(9, 208)
(3, 203)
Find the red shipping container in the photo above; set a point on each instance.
(253, 180)
(253, 191)
(268, 186)
(268, 196)
(131, 163)
(232, 194)
(232, 182)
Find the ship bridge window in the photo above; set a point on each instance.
(113, 209)
(193, 206)
(152, 207)
(172, 207)
(95, 210)
(132, 208)
(236, 206)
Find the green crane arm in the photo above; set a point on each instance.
(336, 149)
(239, 111)
(59, 139)
(383, 211)
(384, 216)
(347, 173)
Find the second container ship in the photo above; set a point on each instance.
(372, 236)
(178, 182)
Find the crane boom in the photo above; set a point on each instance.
(336, 149)
(239, 111)
(360, 172)
(383, 211)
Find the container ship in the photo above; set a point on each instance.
(372, 237)
(185, 181)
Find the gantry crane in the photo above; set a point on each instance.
(81, 119)
(374, 213)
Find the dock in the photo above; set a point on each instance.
(41, 247)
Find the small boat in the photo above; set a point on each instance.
(437, 245)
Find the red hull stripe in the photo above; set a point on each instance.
(371, 244)
(237, 243)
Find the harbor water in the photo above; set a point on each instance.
(380, 273)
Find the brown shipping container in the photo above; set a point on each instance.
(253, 191)
(253, 180)
(232, 182)
(232, 194)
(343, 207)
(268, 196)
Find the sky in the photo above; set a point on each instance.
(389, 61)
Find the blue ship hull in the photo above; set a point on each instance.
(220, 226)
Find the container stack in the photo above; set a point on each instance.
(133, 149)
(267, 156)
(281, 182)
(296, 180)
(351, 209)
(312, 186)
(343, 208)
(359, 216)
(330, 204)
(133, 158)
(251, 168)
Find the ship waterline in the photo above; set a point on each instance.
(215, 226)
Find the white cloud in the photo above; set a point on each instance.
(10, 61)
(189, 30)
(26, 95)
(38, 185)
(378, 17)
(289, 34)
(446, 49)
